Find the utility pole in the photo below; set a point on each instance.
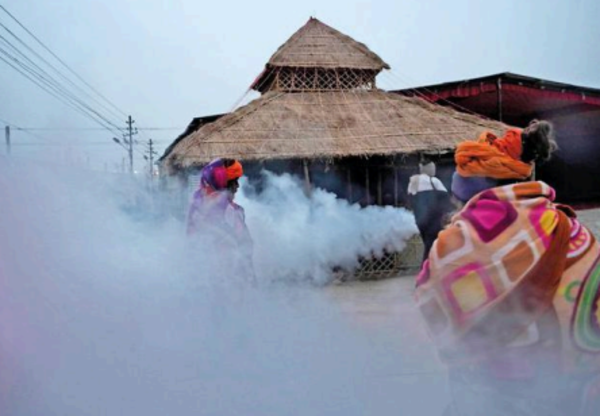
(7, 134)
(130, 132)
(127, 142)
(150, 157)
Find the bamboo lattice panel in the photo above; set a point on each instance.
(392, 264)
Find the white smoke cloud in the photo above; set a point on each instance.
(104, 311)
(306, 237)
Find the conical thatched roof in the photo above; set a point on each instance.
(316, 45)
(328, 124)
(320, 101)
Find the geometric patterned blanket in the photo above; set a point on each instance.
(508, 259)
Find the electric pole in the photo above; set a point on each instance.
(130, 131)
(127, 142)
(150, 157)
(7, 134)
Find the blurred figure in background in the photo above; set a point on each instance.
(511, 289)
(430, 202)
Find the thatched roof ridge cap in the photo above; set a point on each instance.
(377, 62)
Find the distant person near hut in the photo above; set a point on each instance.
(511, 289)
(430, 202)
(216, 219)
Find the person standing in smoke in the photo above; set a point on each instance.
(430, 202)
(217, 220)
(510, 291)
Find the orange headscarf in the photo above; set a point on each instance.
(493, 157)
(234, 171)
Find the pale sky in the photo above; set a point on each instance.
(165, 62)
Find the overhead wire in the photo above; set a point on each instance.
(44, 74)
(418, 91)
(56, 70)
(50, 87)
(62, 62)
(16, 127)
(94, 128)
(446, 110)
(25, 66)
(59, 89)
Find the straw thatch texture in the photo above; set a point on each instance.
(317, 45)
(328, 124)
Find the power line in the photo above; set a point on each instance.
(95, 128)
(161, 128)
(47, 86)
(8, 123)
(417, 92)
(103, 143)
(62, 62)
(43, 141)
(36, 74)
(41, 58)
(51, 87)
(71, 144)
(37, 70)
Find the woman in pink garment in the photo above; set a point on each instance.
(217, 221)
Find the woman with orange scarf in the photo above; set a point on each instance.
(493, 161)
(511, 289)
(217, 187)
(217, 221)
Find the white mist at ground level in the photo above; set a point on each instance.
(297, 236)
(101, 314)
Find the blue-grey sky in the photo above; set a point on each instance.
(168, 61)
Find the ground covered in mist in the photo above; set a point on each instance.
(102, 313)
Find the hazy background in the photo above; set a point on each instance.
(106, 312)
(165, 62)
(101, 313)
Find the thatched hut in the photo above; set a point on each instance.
(321, 115)
(320, 110)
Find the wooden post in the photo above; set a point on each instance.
(367, 187)
(307, 186)
(379, 187)
(395, 186)
(349, 185)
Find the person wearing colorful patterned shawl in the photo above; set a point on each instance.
(510, 292)
(217, 221)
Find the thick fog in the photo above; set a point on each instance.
(104, 311)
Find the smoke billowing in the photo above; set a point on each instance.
(301, 237)
(105, 312)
